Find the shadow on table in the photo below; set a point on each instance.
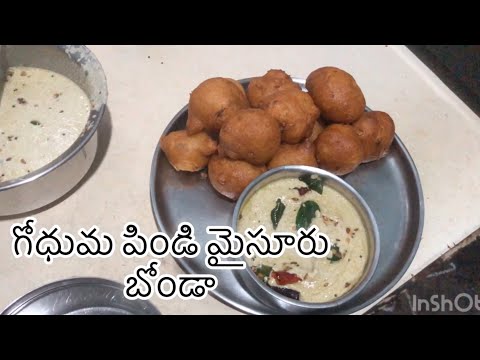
(104, 133)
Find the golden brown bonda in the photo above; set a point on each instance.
(338, 149)
(296, 113)
(188, 153)
(318, 127)
(298, 154)
(376, 130)
(337, 94)
(251, 135)
(261, 88)
(231, 177)
(212, 102)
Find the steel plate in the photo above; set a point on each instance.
(391, 187)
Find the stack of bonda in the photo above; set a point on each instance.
(239, 135)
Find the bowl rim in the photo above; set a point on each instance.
(94, 119)
(368, 272)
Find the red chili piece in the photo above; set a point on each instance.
(285, 278)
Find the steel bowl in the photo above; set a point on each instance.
(47, 184)
(272, 297)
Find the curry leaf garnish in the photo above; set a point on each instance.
(336, 254)
(306, 213)
(263, 271)
(277, 213)
(314, 183)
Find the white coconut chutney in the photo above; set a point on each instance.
(42, 114)
(318, 280)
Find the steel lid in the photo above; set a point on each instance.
(79, 296)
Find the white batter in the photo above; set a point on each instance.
(322, 279)
(42, 114)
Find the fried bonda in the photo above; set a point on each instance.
(261, 88)
(231, 177)
(318, 127)
(338, 149)
(251, 135)
(376, 130)
(296, 113)
(298, 154)
(212, 102)
(337, 94)
(188, 153)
